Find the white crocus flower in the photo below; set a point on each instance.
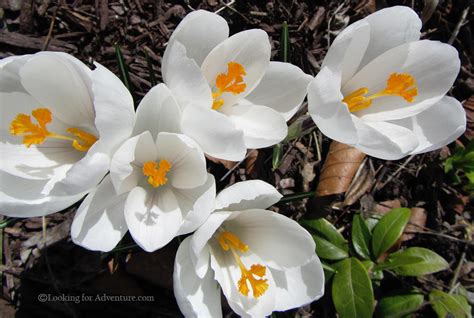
(231, 96)
(382, 90)
(60, 124)
(158, 185)
(262, 261)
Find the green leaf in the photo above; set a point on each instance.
(388, 230)
(446, 304)
(352, 290)
(328, 250)
(361, 237)
(414, 261)
(277, 155)
(299, 128)
(285, 43)
(325, 229)
(123, 67)
(328, 272)
(399, 305)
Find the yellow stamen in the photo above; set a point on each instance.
(36, 134)
(230, 241)
(402, 85)
(230, 82)
(157, 176)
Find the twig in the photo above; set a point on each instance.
(407, 161)
(226, 5)
(459, 25)
(458, 269)
(50, 31)
(233, 168)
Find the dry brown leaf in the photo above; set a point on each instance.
(360, 185)
(469, 108)
(339, 169)
(416, 223)
(386, 206)
(226, 163)
(112, 266)
(250, 163)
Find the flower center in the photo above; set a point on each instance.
(402, 85)
(230, 82)
(36, 134)
(230, 241)
(156, 172)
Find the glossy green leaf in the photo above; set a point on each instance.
(328, 250)
(361, 237)
(325, 229)
(414, 261)
(328, 272)
(352, 291)
(399, 305)
(449, 305)
(388, 230)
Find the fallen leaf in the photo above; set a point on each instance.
(416, 223)
(339, 169)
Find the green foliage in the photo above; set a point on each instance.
(357, 271)
(330, 244)
(124, 76)
(352, 290)
(389, 229)
(414, 261)
(398, 305)
(361, 237)
(447, 305)
(461, 167)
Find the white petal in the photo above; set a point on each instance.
(23, 197)
(84, 174)
(10, 80)
(200, 31)
(99, 223)
(114, 111)
(347, 50)
(196, 297)
(283, 88)
(56, 83)
(384, 140)
(185, 79)
(262, 231)
(245, 195)
(434, 66)
(196, 204)
(214, 132)
(200, 238)
(390, 27)
(228, 273)
(299, 286)
(327, 110)
(249, 48)
(262, 126)
(437, 126)
(153, 217)
(127, 162)
(188, 164)
(49, 160)
(157, 112)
